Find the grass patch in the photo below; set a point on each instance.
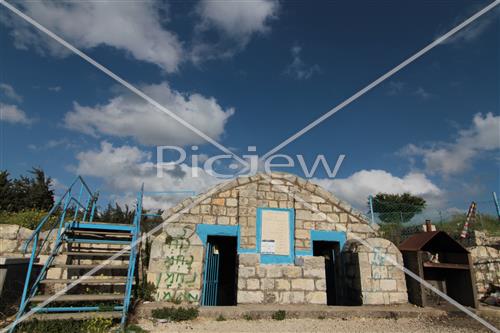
(176, 314)
(135, 329)
(279, 315)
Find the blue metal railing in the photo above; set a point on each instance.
(133, 254)
(66, 201)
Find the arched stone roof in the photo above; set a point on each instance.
(277, 178)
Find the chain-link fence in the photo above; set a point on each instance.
(398, 220)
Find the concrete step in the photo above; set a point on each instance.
(95, 254)
(117, 280)
(76, 315)
(89, 266)
(80, 297)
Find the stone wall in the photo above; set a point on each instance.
(176, 262)
(283, 284)
(371, 275)
(12, 239)
(486, 262)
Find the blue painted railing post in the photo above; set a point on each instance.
(495, 199)
(372, 215)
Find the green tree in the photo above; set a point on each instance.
(5, 191)
(397, 208)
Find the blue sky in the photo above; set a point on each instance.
(254, 73)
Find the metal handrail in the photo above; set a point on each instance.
(54, 208)
(36, 249)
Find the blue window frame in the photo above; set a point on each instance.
(273, 258)
(321, 235)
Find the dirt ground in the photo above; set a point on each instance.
(452, 325)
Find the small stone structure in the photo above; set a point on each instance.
(236, 209)
(486, 261)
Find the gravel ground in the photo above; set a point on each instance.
(452, 325)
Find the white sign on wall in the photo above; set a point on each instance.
(275, 234)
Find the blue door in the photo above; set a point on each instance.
(211, 275)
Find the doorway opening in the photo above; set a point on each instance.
(329, 250)
(220, 277)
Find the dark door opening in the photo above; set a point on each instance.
(219, 282)
(329, 251)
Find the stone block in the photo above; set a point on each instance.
(253, 284)
(320, 284)
(314, 273)
(248, 259)
(291, 297)
(261, 271)
(314, 262)
(316, 297)
(303, 284)
(250, 297)
(267, 284)
(375, 298)
(242, 284)
(8, 245)
(398, 298)
(388, 285)
(24, 233)
(231, 202)
(292, 271)
(224, 220)
(8, 231)
(246, 272)
(218, 201)
(282, 284)
(275, 271)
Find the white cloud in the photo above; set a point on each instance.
(123, 169)
(12, 114)
(51, 144)
(298, 69)
(236, 22)
(129, 116)
(356, 188)
(9, 92)
(455, 157)
(474, 30)
(135, 27)
(422, 93)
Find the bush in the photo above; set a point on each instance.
(94, 325)
(220, 318)
(146, 291)
(26, 218)
(135, 329)
(279, 315)
(176, 314)
(246, 316)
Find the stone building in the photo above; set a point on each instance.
(272, 239)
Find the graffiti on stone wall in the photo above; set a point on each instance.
(178, 296)
(378, 262)
(178, 262)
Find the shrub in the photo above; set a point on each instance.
(246, 316)
(176, 314)
(146, 291)
(279, 315)
(94, 325)
(220, 318)
(135, 329)
(97, 325)
(26, 218)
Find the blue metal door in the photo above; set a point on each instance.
(211, 276)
